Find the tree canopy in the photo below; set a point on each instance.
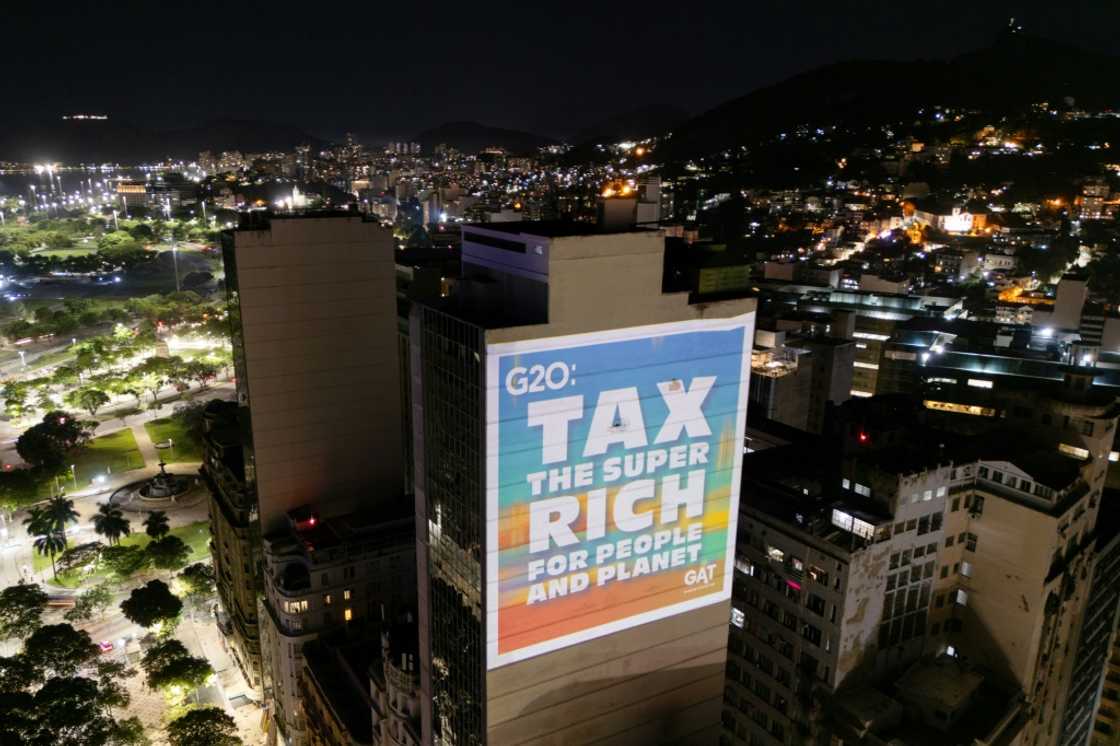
(21, 609)
(205, 726)
(48, 443)
(152, 604)
(168, 665)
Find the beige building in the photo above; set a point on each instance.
(313, 308)
(660, 682)
(314, 323)
(986, 549)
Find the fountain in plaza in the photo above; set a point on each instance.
(164, 486)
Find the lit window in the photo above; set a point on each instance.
(348, 615)
(775, 554)
(966, 569)
(962, 597)
(979, 383)
(346, 595)
(971, 409)
(848, 485)
(866, 366)
(1073, 451)
(737, 617)
(798, 565)
(927, 495)
(862, 490)
(1114, 456)
(326, 599)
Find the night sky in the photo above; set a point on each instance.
(386, 69)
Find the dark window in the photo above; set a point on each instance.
(815, 604)
(956, 504)
(970, 544)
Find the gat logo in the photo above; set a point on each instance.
(703, 575)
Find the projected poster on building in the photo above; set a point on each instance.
(613, 465)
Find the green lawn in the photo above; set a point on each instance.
(194, 535)
(76, 251)
(116, 451)
(184, 448)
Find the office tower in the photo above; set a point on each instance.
(314, 326)
(558, 383)
(313, 309)
(900, 578)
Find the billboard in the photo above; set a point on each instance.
(612, 465)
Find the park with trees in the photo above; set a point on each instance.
(58, 683)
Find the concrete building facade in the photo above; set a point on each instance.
(317, 347)
(982, 548)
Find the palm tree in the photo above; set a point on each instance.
(52, 543)
(111, 523)
(61, 512)
(48, 540)
(155, 525)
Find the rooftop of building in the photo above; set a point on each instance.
(309, 533)
(553, 228)
(988, 712)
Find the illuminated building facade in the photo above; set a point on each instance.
(535, 287)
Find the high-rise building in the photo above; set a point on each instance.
(556, 386)
(314, 322)
(867, 559)
(318, 422)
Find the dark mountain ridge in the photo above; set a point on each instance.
(1015, 71)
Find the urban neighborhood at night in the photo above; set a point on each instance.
(463, 375)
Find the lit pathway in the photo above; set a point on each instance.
(144, 443)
